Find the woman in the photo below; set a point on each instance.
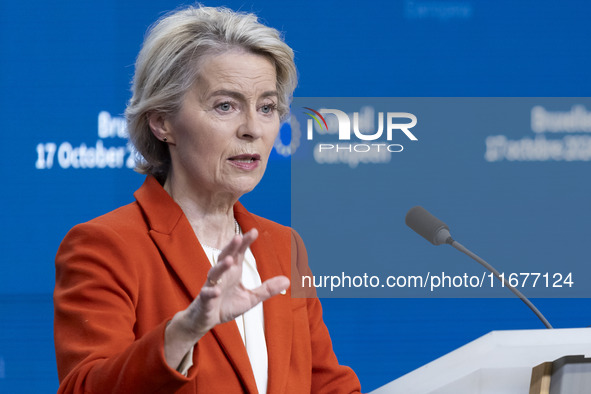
(166, 294)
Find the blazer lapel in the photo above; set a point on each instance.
(173, 235)
(277, 310)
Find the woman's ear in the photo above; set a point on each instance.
(160, 126)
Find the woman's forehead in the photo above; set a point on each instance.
(236, 73)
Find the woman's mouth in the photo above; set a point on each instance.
(245, 161)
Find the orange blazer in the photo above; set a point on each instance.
(121, 277)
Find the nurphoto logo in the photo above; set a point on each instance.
(342, 121)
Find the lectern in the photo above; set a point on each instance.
(500, 362)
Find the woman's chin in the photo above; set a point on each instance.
(242, 186)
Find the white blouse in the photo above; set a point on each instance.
(251, 324)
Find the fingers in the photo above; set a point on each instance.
(209, 292)
(247, 240)
(214, 276)
(270, 288)
(239, 244)
(231, 248)
(232, 254)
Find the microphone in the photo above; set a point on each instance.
(437, 232)
(428, 226)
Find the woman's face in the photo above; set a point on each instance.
(221, 138)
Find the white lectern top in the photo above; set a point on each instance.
(499, 362)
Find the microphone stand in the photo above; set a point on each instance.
(489, 267)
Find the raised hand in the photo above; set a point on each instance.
(221, 299)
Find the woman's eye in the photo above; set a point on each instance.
(225, 107)
(267, 108)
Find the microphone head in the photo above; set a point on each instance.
(428, 226)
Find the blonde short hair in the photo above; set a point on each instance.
(168, 65)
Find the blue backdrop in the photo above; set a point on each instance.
(65, 71)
